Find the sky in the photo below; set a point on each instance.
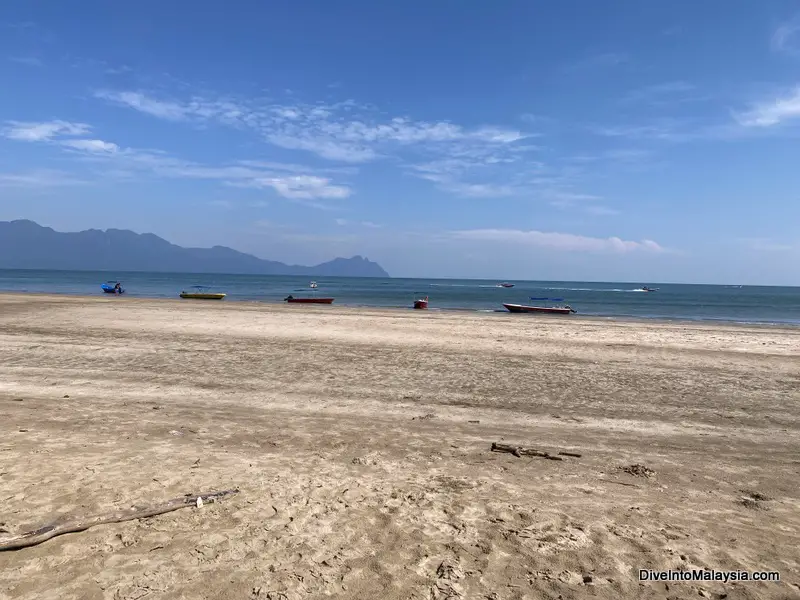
(576, 140)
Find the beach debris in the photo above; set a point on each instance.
(365, 460)
(758, 496)
(17, 399)
(66, 395)
(626, 484)
(424, 417)
(638, 470)
(476, 421)
(573, 454)
(61, 526)
(753, 500)
(519, 451)
(448, 577)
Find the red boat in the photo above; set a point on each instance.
(292, 300)
(421, 302)
(553, 310)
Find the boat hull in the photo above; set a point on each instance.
(190, 296)
(551, 310)
(107, 289)
(420, 304)
(309, 300)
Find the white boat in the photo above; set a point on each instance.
(313, 285)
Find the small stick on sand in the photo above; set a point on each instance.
(620, 483)
(37, 536)
(575, 454)
(522, 450)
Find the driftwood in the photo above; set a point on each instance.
(523, 451)
(37, 536)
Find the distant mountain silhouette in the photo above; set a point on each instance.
(28, 245)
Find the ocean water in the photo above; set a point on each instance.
(747, 304)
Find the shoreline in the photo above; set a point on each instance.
(789, 325)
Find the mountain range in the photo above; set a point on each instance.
(28, 245)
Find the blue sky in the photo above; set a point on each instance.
(636, 141)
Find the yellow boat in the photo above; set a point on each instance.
(200, 292)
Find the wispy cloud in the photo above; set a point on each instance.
(351, 133)
(785, 39)
(602, 211)
(603, 60)
(290, 181)
(662, 94)
(223, 204)
(765, 245)
(40, 178)
(772, 112)
(578, 202)
(172, 111)
(27, 131)
(94, 146)
(30, 61)
(558, 241)
(661, 129)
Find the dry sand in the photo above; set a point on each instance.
(360, 440)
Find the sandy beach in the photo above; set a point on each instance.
(360, 441)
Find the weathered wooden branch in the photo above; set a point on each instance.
(37, 536)
(523, 451)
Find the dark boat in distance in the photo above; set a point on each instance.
(292, 300)
(505, 284)
(112, 287)
(644, 288)
(553, 310)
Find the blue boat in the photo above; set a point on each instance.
(112, 287)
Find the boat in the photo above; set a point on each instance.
(505, 284)
(553, 310)
(292, 300)
(420, 302)
(201, 292)
(644, 288)
(313, 285)
(112, 287)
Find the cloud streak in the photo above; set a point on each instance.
(28, 131)
(290, 181)
(785, 38)
(770, 113)
(351, 133)
(567, 242)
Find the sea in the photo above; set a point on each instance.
(739, 304)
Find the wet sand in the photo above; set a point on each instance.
(360, 442)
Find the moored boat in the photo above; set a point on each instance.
(292, 300)
(112, 287)
(200, 292)
(553, 310)
(420, 302)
